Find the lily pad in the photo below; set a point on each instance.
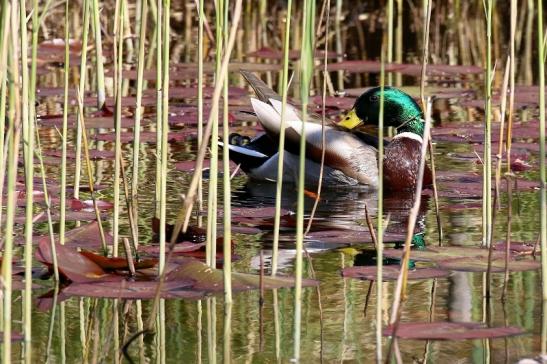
(15, 336)
(117, 263)
(517, 247)
(450, 331)
(350, 237)
(133, 290)
(72, 264)
(436, 254)
(391, 273)
(473, 264)
(212, 280)
(180, 248)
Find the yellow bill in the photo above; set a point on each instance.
(350, 120)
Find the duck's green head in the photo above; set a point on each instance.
(400, 111)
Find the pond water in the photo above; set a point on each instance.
(338, 316)
(336, 327)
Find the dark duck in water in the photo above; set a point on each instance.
(350, 154)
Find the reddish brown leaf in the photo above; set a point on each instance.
(116, 263)
(391, 272)
(450, 331)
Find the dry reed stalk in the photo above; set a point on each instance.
(400, 291)
(90, 180)
(543, 186)
(64, 141)
(279, 182)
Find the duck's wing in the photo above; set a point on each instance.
(266, 95)
(343, 151)
(262, 91)
(251, 155)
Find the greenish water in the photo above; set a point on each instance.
(86, 328)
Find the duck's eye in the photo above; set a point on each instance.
(374, 98)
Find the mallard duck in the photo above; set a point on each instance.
(350, 155)
(402, 153)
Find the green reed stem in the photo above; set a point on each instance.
(83, 75)
(118, 61)
(390, 39)
(138, 116)
(380, 216)
(62, 206)
(306, 74)
(213, 171)
(542, 175)
(281, 150)
(4, 31)
(158, 17)
(90, 180)
(339, 41)
(423, 80)
(201, 16)
(227, 216)
(28, 141)
(499, 155)
(211, 329)
(487, 157)
(11, 205)
(101, 95)
(511, 83)
(164, 130)
(3, 91)
(47, 200)
(399, 42)
(227, 335)
(51, 325)
(62, 326)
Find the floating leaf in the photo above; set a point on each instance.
(190, 166)
(270, 53)
(350, 237)
(436, 254)
(517, 247)
(212, 280)
(117, 263)
(133, 290)
(15, 336)
(106, 122)
(474, 264)
(391, 272)
(450, 331)
(147, 136)
(180, 248)
(72, 264)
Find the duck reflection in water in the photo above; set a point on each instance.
(340, 213)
